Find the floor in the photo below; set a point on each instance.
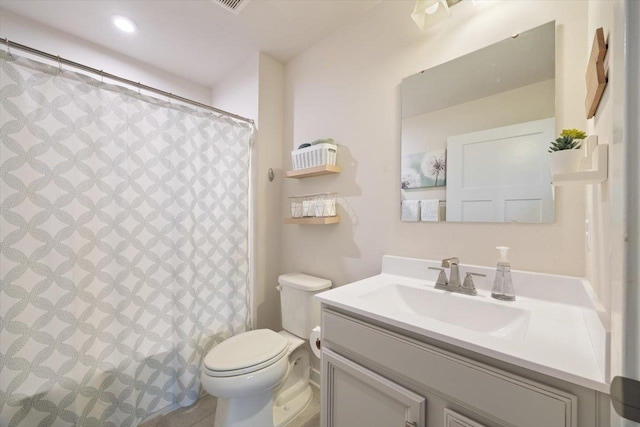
(202, 413)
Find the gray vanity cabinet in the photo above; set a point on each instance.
(373, 376)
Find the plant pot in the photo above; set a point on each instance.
(565, 161)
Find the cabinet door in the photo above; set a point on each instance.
(355, 396)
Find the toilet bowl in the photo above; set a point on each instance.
(261, 377)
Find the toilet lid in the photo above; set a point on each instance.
(246, 350)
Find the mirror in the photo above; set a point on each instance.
(475, 134)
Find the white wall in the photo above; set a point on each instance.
(256, 90)
(347, 87)
(28, 32)
(605, 202)
(238, 92)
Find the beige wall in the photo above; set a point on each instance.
(268, 194)
(256, 90)
(347, 87)
(605, 202)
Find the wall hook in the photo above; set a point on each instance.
(271, 174)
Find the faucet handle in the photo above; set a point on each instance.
(448, 262)
(442, 277)
(468, 282)
(476, 274)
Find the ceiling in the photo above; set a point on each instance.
(197, 39)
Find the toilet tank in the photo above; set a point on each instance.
(300, 310)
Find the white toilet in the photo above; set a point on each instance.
(261, 377)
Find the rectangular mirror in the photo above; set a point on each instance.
(475, 134)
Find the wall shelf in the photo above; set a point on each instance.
(312, 220)
(314, 171)
(599, 173)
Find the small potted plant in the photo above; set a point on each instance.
(565, 151)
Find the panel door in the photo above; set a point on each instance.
(355, 396)
(501, 174)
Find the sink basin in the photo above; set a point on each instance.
(473, 313)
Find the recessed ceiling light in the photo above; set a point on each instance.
(124, 24)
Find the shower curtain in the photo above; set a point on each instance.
(124, 255)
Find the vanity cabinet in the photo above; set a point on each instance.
(373, 375)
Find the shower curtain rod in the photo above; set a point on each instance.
(12, 45)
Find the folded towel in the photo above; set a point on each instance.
(324, 141)
(309, 208)
(430, 210)
(410, 210)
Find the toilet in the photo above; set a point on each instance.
(261, 377)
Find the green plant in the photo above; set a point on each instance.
(569, 139)
(573, 133)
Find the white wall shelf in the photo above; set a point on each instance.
(597, 175)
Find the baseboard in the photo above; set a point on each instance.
(314, 378)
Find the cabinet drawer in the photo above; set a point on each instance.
(499, 395)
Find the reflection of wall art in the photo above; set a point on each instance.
(424, 169)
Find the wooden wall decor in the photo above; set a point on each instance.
(596, 77)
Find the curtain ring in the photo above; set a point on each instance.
(139, 89)
(59, 64)
(6, 40)
(101, 76)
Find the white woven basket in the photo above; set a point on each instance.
(316, 155)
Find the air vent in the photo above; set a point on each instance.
(234, 6)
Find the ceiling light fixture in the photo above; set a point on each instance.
(124, 24)
(428, 13)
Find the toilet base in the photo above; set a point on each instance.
(294, 407)
(258, 410)
(249, 411)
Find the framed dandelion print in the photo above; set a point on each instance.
(423, 170)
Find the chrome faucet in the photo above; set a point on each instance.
(454, 275)
(453, 284)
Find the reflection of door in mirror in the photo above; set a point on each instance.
(506, 84)
(501, 174)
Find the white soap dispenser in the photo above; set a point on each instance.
(502, 284)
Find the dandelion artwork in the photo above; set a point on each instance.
(426, 169)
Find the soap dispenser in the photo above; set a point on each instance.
(502, 284)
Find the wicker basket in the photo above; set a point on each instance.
(313, 205)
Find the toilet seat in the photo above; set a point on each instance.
(245, 353)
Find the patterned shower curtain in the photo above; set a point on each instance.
(124, 255)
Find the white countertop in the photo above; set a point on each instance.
(561, 338)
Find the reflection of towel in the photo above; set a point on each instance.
(430, 210)
(410, 210)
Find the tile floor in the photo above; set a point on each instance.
(202, 413)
